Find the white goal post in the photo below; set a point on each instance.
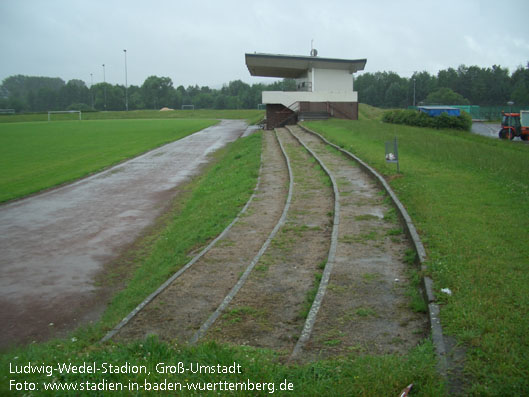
(188, 107)
(63, 111)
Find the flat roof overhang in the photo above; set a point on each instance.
(294, 66)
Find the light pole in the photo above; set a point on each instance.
(91, 93)
(511, 134)
(126, 96)
(105, 86)
(413, 92)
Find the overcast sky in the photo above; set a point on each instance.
(204, 42)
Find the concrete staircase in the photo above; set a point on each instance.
(313, 116)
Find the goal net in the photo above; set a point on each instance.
(188, 107)
(70, 113)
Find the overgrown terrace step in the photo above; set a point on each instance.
(371, 304)
(178, 312)
(269, 311)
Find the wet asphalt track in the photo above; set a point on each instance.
(491, 131)
(53, 244)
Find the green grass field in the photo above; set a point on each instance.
(252, 116)
(468, 196)
(36, 156)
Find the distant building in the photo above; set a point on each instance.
(324, 87)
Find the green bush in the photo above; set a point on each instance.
(420, 119)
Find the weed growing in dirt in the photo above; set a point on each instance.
(366, 217)
(362, 238)
(365, 312)
(391, 215)
(311, 293)
(414, 292)
(394, 232)
(235, 315)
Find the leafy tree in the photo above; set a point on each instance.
(480, 86)
(157, 91)
(498, 86)
(448, 78)
(520, 86)
(135, 97)
(424, 84)
(75, 91)
(445, 96)
(396, 95)
(19, 86)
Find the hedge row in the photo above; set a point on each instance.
(420, 119)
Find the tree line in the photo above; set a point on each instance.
(39, 94)
(462, 86)
(466, 85)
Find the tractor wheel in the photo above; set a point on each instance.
(524, 137)
(503, 133)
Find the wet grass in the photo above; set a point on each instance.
(387, 375)
(467, 195)
(40, 155)
(251, 116)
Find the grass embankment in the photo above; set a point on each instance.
(468, 196)
(210, 203)
(36, 156)
(251, 116)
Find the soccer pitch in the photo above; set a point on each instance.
(39, 155)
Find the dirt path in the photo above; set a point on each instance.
(269, 309)
(52, 245)
(366, 305)
(180, 310)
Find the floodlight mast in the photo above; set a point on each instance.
(105, 86)
(91, 91)
(126, 95)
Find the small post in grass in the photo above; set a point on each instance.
(392, 153)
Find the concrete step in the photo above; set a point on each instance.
(313, 116)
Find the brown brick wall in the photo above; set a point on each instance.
(277, 114)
